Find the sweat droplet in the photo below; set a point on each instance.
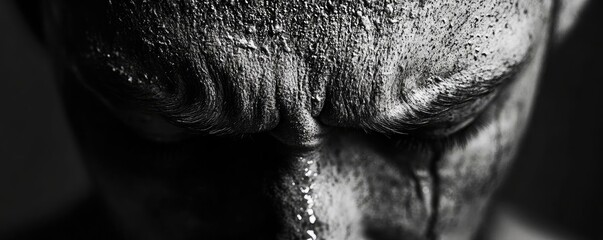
(389, 8)
(251, 29)
(244, 43)
(286, 46)
(366, 22)
(277, 29)
(305, 218)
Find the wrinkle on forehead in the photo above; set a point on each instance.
(233, 67)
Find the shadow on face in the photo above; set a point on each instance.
(299, 120)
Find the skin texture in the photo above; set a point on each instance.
(300, 119)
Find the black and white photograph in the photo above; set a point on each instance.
(301, 119)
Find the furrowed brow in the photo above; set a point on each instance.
(425, 105)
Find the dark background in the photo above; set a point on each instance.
(40, 175)
(558, 177)
(556, 180)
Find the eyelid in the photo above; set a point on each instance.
(457, 118)
(437, 131)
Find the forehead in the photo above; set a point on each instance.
(379, 49)
(313, 27)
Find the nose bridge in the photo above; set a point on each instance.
(347, 188)
(299, 130)
(296, 197)
(299, 100)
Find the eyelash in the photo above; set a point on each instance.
(418, 143)
(419, 140)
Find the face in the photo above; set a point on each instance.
(299, 119)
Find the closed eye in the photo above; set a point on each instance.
(455, 131)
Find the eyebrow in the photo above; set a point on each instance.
(425, 106)
(416, 109)
(179, 100)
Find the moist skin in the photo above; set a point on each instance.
(335, 83)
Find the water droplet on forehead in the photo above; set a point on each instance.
(389, 8)
(366, 22)
(286, 46)
(276, 29)
(248, 44)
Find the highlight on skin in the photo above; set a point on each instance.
(385, 119)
